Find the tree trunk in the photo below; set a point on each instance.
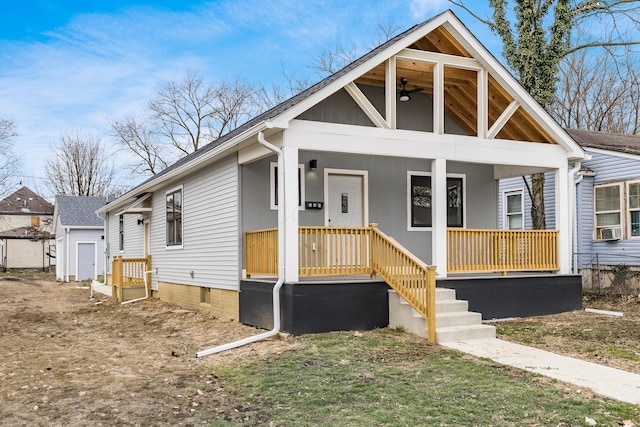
(538, 217)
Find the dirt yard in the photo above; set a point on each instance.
(69, 360)
(605, 339)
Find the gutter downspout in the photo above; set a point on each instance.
(279, 283)
(146, 291)
(573, 209)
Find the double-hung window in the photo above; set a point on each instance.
(174, 217)
(420, 200)
(514, 210)
(633, 206)
(608, 207)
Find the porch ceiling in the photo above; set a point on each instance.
(460, 90)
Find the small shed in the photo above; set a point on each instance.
(79, 238)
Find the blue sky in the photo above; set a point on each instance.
(73, 65)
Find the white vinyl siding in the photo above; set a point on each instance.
(210, 230)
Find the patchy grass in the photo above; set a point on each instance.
(389, 378)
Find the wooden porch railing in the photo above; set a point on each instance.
(407, 275)
(342, 251)
(126, 272)
(502, 250)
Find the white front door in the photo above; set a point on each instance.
(345, 200)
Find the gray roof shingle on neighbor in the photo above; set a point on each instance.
(621, 143)
(80, 210)
(25, 202)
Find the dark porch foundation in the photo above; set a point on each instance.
(517, 296)
(309, 308)
(324, 306)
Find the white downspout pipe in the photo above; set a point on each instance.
(573, 209)
(146, 290)
(278, 285)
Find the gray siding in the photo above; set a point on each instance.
(516, 183)
(210, 230)
(387, 194)
(608, 168)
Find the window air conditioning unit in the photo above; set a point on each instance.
(611, 233)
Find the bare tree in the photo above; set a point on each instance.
(79, 166)
(598, 94)
(139, 141)
(540, 36)
(9, 163)
(184, 116)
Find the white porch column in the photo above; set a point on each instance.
(563, 217)
(290, 200)
(439, 215)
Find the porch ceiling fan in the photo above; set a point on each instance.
(405, 95)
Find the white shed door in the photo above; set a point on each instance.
(86, 261)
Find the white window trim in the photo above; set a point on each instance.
(621, 209)
(164, 201)
(124, 232)
(628, 209)
(505, 209)
(449, 175)
(272, 186)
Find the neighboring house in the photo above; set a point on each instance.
(25, 231)
(607, 192)
(413, 136)
(80, 238)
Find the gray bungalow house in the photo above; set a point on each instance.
(80, 238)
(358, 197)
(607, 193)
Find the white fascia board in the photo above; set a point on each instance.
(612, 153)
(515, 89)
(84, 227)
(318, 136)
(216, 153)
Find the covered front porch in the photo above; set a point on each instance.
(345, 273)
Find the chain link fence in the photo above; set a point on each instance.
(604, 273)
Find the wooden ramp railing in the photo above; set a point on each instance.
(129, 272)
(502, 250)
(342, 251)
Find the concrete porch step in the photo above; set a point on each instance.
(453, 320)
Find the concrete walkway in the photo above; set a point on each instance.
(609, 382)
(99, 287)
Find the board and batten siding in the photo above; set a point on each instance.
(210, 244)
(516, 183)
